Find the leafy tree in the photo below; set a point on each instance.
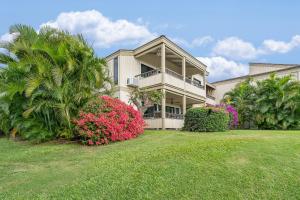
(273, 103)
(47, 76)
(143, 99)
(278, 103)
(242, 98)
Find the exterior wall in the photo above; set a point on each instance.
(210, 101)
(224, 87)
(149, 81)
(128, 68)
(195, 90)
(258, 68)
(169, 123)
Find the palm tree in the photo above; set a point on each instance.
(242, 98)
(273, 103)
(278, 103)
(52, 74)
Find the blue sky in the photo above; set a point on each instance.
(225, 35)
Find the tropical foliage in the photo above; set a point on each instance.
(206, 119)
(242, 98)
(273, 103)
(106, 120)
(233, 115)
(278, 103)
(143, 99)
(47, 76)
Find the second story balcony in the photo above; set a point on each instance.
(154, 77)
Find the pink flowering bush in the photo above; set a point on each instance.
(234, 117)
(106, 120)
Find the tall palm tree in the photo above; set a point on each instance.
(52, 74)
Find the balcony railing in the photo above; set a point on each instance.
(194, 83)
(210, 96)
(149, 73)
(158, 115)
(172, 73)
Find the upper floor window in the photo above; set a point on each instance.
(145, 68)
(116, 70)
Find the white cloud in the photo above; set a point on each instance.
(100, 30)
(276, 46)
(220, 68)
(235, 48)
(238, 49)
(8, 37)
(197, 42)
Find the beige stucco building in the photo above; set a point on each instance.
(161, 65)
(257, 71)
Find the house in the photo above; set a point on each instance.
(162, 65)
(257, 71)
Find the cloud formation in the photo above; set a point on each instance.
(235, 48)
(221, 68)
(275, 46)
(100, 30)
(197, 42)
(238, 49)
(7, 37)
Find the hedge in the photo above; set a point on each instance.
(206, 119)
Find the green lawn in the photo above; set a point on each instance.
(157, 165)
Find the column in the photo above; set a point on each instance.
(163, 61)
(184, 104)
(163, 109)
(183, 70)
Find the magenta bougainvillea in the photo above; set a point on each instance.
(234, 121)
(108, 120)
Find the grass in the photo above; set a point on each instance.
(157, 165)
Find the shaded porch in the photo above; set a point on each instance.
(170, 113)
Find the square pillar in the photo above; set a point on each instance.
(183, 67)
(183, 70)
(184, 104)
(163, 61)
(163, 109)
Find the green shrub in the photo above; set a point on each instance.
(206, 119)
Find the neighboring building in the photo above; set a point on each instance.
(258, 71)
(162, 65)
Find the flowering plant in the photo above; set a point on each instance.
(108, 119)
(234, 118)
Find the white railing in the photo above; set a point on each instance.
(194, 83)
(210, 96)
(149, 73)
(158, 115)
(174, 74)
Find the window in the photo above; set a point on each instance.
(116, 70)
(170, 109)
(145, 68)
